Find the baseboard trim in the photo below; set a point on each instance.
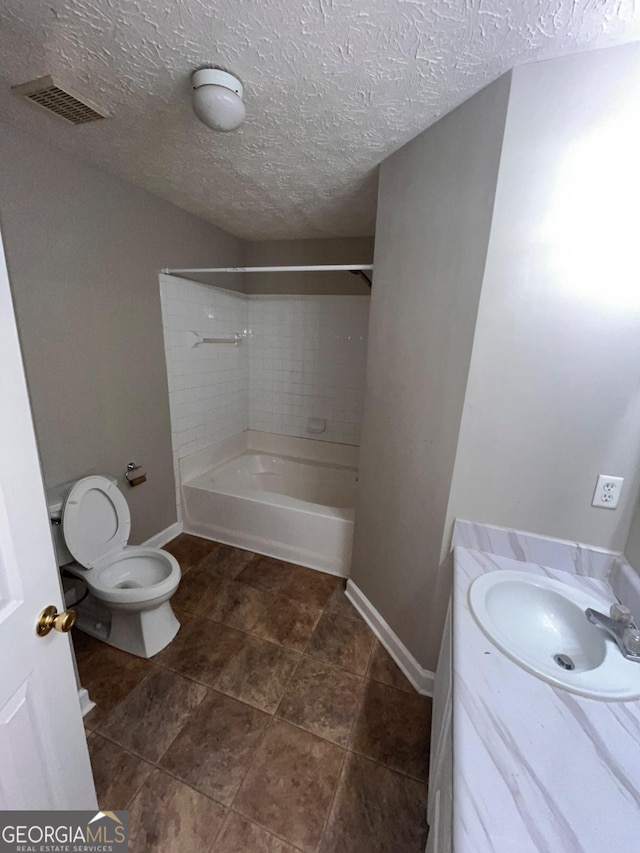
(422, 679)
(164, 536)
(86, 703)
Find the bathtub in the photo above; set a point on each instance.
(286, 498)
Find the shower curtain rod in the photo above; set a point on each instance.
(322, 268)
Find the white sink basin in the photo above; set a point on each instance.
(534, 619)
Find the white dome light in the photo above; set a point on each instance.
(217, 99)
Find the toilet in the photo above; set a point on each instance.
(129, 587)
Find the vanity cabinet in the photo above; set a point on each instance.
(440, 801)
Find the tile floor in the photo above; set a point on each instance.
(274, 722)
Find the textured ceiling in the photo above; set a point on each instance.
(332, 87)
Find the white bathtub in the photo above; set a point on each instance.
(283, 504)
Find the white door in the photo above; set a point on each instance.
(44, 762)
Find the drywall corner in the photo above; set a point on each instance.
(435, 208)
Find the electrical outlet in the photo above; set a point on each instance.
(607, 493)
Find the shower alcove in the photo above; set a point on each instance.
(266, 394)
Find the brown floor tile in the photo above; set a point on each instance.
(259, 673)
(148, 720)
(322, 699)
(182, 616)
(289, 787)
(384, 669)
(241, 836)
(234, 604)
(394, 728)
(201, 650)
(213, 751)
(109, 675)
(265, 573)
(310, 586)
(189, 595)
(226, 561)
(117, 774)
(342, 642)
(189, 550)
(83, 645)
(287, 622)
(376, 809)
(340, 604)
(169, 817)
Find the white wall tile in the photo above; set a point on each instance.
(304, 357)
(208, 384)
(307, 358)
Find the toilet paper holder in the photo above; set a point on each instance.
(134, 481)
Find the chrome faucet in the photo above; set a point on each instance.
(620, 625)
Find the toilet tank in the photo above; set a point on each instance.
(55, 501)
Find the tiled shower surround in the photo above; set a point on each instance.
(208, 384)
(303, 357)
(307, 357)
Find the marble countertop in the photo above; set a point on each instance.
(536, 768)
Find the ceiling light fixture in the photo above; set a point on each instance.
(217, 99)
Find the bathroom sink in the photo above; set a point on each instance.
(541, 625)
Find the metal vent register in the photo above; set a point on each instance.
(47, 93)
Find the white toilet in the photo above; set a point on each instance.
(129, 586)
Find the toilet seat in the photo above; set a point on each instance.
(96, 521)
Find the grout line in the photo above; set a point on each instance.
(118, 704)
(388, 767)
(182, 727)
(356, 716)
(373, 645)
(257, 823)
(191, 786)
(350, 748)
(232, 657)
(233, 807)
(395, 770)
(309, 732)
(132, 752)
(244, 632)
(333, 799)
(336, 665)
(288, 685)
(252, 762)
(141, 786)
(145, 758)
(223, 825)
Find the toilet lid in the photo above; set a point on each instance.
(95, 521)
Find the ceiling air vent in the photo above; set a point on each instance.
(47, 93)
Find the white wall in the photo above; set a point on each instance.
(307, 359)
(553, 397)
(302, 252)
(434, 216)
(84, 250)
(632, 546)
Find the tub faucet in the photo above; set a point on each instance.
(619, 625)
